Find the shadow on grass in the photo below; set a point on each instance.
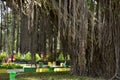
(51, 76)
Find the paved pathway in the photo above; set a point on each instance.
(15, 70)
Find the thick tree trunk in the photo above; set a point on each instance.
(79, 37)
(90, 36)
(1, 29)
(42, 34)
(13, 32)
(115, 19)
(24, 34)
(18, 34)
(106, 53)
(0, 39)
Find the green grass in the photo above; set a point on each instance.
(51, 76)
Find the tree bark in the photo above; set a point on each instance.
(13, 33)
(80, 37)
(24, 34)
(1, 29)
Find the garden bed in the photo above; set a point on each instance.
(10, 66)
(29, 69)
(46, 69)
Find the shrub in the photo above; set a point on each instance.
(22, 57)
(28, 56)
(68, 57)
(61, 57)
(18, 66)
(38, 58)
(17, 56)
(10, 66)
(3, 55)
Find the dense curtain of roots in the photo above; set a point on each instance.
(88, 30)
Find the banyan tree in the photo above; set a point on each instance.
(88, 30)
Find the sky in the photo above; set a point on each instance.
(2, 8)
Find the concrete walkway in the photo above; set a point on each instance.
(15, 70)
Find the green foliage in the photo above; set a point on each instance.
(28, 56)
(22, 57)
(18, 67)
(38, 58)
(61, 57)
(68, 57)
(18, 56)
(2, 55)
(10, 66)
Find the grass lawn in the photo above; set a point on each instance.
(51, 76)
